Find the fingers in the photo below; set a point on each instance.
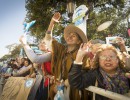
(55, 20)
(56, 17)
(20, 39)
(126, 54)
(81, 46)
(23, 40)
(84, 45)
(57, 14)
(120, 40)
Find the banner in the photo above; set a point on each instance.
(79, 18)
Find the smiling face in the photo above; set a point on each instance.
(42, 46)
(108, 61)
(72, 39)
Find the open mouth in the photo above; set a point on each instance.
(108, 65)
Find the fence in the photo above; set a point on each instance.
(108, 94)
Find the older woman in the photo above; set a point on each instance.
(108, 71)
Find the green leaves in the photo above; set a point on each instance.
(103, 10)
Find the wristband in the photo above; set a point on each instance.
(48, 32)
(78, 63)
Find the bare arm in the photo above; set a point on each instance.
(48, 35)
(54, 19)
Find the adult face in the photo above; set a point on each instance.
(43, 46)
(26, 63)
(72, 39)
(108, 61)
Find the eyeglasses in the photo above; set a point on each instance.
(106, 57)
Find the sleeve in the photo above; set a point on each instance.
(36, 58)
(23, 71)
(79, 78)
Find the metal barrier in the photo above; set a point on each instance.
(106, 93)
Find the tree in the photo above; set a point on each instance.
(14, 50)
(11, 47)
(101, 10)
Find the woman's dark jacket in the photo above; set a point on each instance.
(81, 79)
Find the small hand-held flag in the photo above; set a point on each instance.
(27, 26)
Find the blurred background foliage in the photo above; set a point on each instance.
(117, 11)
(101, 10)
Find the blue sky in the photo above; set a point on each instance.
(12, 15)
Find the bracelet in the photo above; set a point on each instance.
(78, 63)
(48, 32)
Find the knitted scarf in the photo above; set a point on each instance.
(117, 83)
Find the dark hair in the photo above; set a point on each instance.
(14, 66)
(29, 62)
(22, 64)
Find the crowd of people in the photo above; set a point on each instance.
(73, 66)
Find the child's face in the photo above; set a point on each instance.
(108, 61)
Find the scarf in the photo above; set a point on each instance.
(117, 83)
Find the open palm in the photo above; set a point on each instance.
(56, 17)
(83, 50)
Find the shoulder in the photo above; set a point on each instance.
(56, 43)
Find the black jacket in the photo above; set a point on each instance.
(81, 79)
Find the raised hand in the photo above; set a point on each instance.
(56, 17)
(23, 40)
(83, 50)
(120, 41)
(121, 44)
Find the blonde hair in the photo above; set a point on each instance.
(103, 47)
